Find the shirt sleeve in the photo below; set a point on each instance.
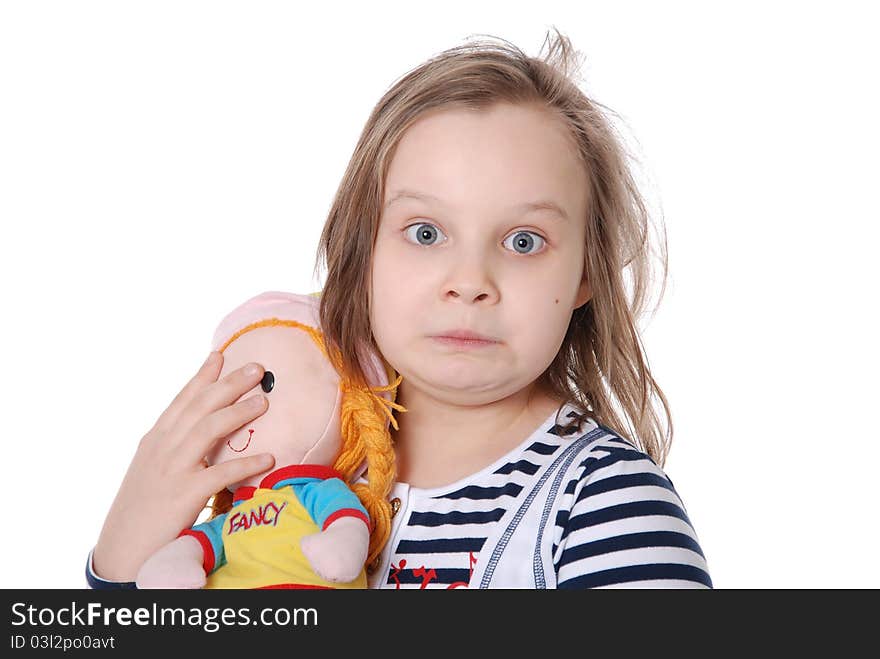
(328, 500)
(97, 583)
(624, 526)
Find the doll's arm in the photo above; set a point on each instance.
(338, 552)
(176, 565)
(186, 561)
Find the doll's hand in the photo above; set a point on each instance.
(338, 552)
(168, 483)
(176, 565)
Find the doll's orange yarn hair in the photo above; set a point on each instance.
(365, 437)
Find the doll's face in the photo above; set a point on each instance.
(301, 424)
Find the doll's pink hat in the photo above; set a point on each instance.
(290, 306)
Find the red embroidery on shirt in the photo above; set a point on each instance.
(427, 576)
(472, 560)
(397, 570)
(430, 574)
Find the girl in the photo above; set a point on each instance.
(478, 242)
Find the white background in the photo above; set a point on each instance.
(162, 161)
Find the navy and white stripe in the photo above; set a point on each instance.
(619, 520)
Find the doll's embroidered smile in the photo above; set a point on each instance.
(239, 450)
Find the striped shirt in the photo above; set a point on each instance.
(582, 509)
(576, 509)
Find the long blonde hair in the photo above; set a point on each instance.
(600, 365)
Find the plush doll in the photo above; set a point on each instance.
(305, 523)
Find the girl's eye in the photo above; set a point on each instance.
(425, 233)
(268, 381)
(523, 241)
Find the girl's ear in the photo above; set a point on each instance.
(584, 294)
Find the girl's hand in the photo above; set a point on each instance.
(168, 482)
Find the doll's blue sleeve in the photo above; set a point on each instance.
(210, 536)
(328, 500)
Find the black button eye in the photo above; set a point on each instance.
(268, 381)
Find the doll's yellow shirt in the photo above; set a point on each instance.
(257, 545)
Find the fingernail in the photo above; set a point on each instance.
(210, 358)
(251, 370)
(256, 401)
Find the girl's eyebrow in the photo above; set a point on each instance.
(522, 208)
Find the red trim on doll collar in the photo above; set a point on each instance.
(271, 479)
(242, 493)
(320, 472)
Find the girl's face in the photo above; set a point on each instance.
(459, 248)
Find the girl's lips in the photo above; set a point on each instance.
(239, 450)
(464, 343)
(465, 334)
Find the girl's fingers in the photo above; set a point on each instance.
(221, 475)
(207, 432)
(216, 396)
(207, 374)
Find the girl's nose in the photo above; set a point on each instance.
(470, 281)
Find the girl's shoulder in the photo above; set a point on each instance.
(596, 460)
(620, 520)
(599, 453)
